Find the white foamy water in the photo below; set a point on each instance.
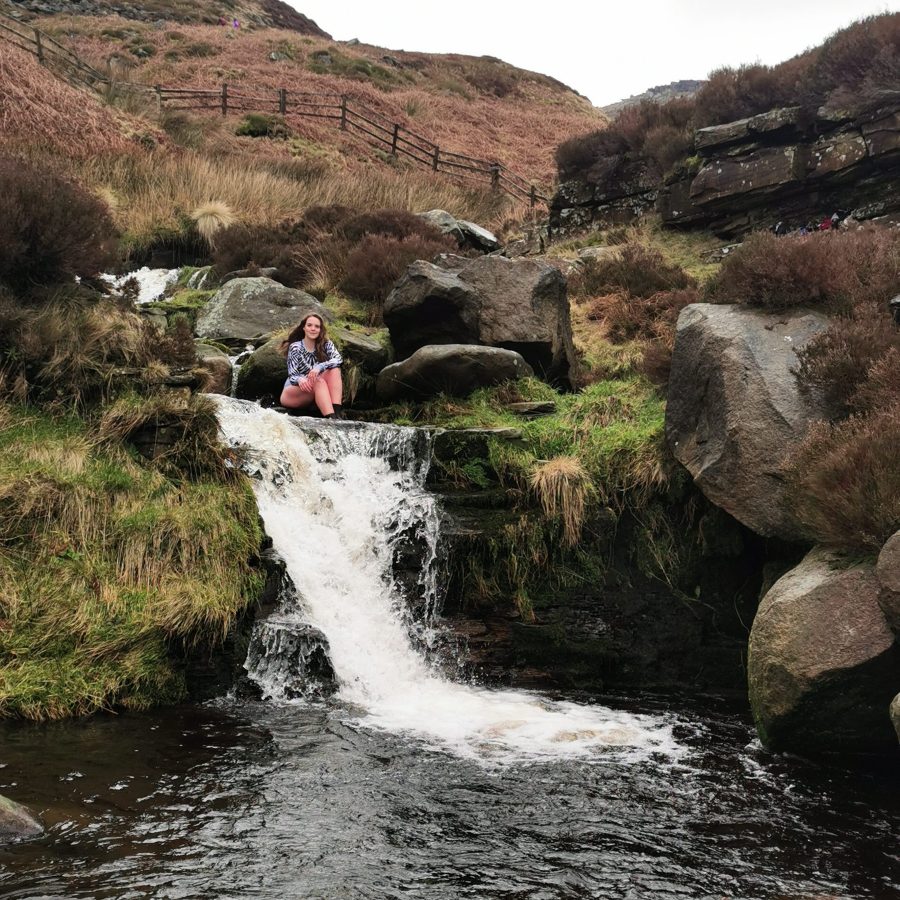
(333, 497)
(152, 283)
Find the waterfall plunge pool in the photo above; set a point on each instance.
(406, 783)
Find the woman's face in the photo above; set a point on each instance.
(312, 328)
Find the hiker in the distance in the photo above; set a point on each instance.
(314, 369)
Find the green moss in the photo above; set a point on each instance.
(104, 563)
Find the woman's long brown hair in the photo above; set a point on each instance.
(296, 334)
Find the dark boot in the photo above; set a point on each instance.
(339, 411)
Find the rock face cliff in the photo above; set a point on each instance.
(780, 165)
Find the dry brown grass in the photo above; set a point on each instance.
(562, 487)
(39, 108)
(212, 217)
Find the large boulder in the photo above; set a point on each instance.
(249, 310)
(456, 369)
(735, 409)
(263, 374)
(17, 822)
(822, 663)
(887, 571)
(516, 304)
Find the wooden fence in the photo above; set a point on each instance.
(377, 130)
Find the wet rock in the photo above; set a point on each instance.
(822, 663)
(202, 280)
(214, 368)
(895, 714)
(456, 369)
(17, 822)
(532, 409)
(887, 571)
(735, 409)
(249, 310)
(517, 305)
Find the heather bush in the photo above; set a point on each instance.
(638, 270)
(634, 317)
(51, 230)
(731, 94)
(881, 385)
(375, 264)
(844, 481)
(396, 223)
(840, 360)
(832, 270)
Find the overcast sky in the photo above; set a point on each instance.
(605, 50)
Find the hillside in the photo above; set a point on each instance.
(259, 13)
(662, 93)
(479, 106)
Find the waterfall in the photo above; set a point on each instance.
(336, 498)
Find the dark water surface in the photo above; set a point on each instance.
(258, 800)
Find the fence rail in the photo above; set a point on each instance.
(377, 130)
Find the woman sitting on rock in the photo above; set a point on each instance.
(314, 369)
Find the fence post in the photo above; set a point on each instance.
(224, 99)
(495, 176)
(533, 197)
(343, 112)
(158, 90)
(437, 158)
(282, 101)
(40, 46)
(394, 137)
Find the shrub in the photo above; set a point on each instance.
(241, 246)
(839, 360)
(844, 481)
(51, 230)
(882, 384)
(832, 270)
(262, 125)
(629, 317)
(731, 94)
(396, 223)
(637, 270)
(377, 262)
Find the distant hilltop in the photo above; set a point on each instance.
(660, 94)
(261, 13)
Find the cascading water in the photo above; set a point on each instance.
(335, 498)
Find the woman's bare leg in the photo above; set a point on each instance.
(292, 397)
(323, 397)
(335, 385)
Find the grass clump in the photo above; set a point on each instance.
(106, 565)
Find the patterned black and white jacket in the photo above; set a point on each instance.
(301, 361)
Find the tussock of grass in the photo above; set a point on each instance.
(211, 218)
(562, 487)
(103, 563)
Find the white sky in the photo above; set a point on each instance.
(605, 49)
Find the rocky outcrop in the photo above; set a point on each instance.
(822, 664)
(887, 571)
(517, 305)
(783, 165)
(466, 234)
(456, 369)
(17, 822)
(248, 311)
(735, 409)
(895, 714)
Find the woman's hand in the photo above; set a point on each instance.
(311, 377)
